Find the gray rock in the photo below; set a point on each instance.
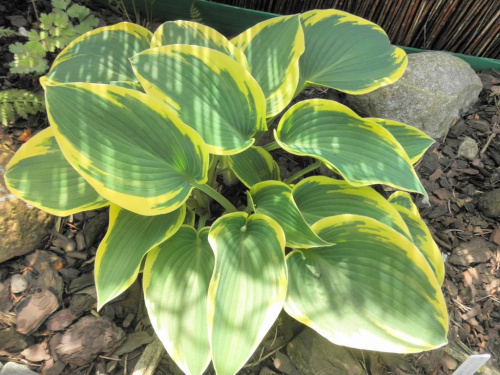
(22, 227)
(12, 368)
(312, 354)
(468, 149)
(430, 95)
(489, 203)
(475, 251)
(18, 283)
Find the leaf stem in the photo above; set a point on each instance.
(302, 172)
(271, 146)
(201, 221)
(211, 192)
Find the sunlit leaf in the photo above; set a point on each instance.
(176, 279)
(273, 48)
(208, 90)
(373, 290)
(130, 147)
(274, 199)
(248, 286)
(362, 151)
(254, 165)
(128, 239)
(40, 175)
(347, 53)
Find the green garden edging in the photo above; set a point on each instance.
(231, 20)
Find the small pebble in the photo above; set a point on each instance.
(18, 284)
(468, 149)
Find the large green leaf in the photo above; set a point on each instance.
(193, 33)
(130, 147)
(274, 199)
(273, 48)
(248, 287)
(362, 151)
(414, 141)
(373, 290)
(347, 53)
(420, 233)
(318, 197)
(40, 175)
(101, 55)
(254, 165)
(129, 238)
(176, 279)
(208, 90)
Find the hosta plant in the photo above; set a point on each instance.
(145, 122)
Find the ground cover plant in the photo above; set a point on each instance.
(144, 123)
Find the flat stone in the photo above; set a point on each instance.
(22, 227)
(430, 95)
(88, 337)
(475, 251)
(489, 203)
(468, 149)
(311, 354)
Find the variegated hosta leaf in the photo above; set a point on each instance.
(347, 53)
(254, 165)
(40, 175)
(128, 239)
(129, 146)
(318, 197)
(128, 85)
(403, 199)
(273, 48)
(414, 141)
(176, 278)
(248, 286)
(373, 290)
(193, 33)
(101, 55)
(208, 90)
(274, 199)
(421, 236)
(362, 151)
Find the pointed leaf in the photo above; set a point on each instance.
(318, 197)
(355, 58)
(422, 238)
(362, 151)
(254, 165)
(176, 278)
(130, 147)
(273, 48)
(193, 33)
(40, 175)
(208, 90)
(373, 290)
(403, 199)
(128, 239)
(101, 55)
(274, 199)
(248, 287)
(414, 141)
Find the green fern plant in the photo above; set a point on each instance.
(7, 33)
(16, 104)
(57, 30)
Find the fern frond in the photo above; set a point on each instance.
(6, 33)
(16, 104)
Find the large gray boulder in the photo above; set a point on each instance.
(22, 227)
(435, 88)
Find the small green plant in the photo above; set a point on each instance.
(7, 33)
(144, 123)
(57, 30)
(19, 103)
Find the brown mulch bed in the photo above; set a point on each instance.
(48, 317)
